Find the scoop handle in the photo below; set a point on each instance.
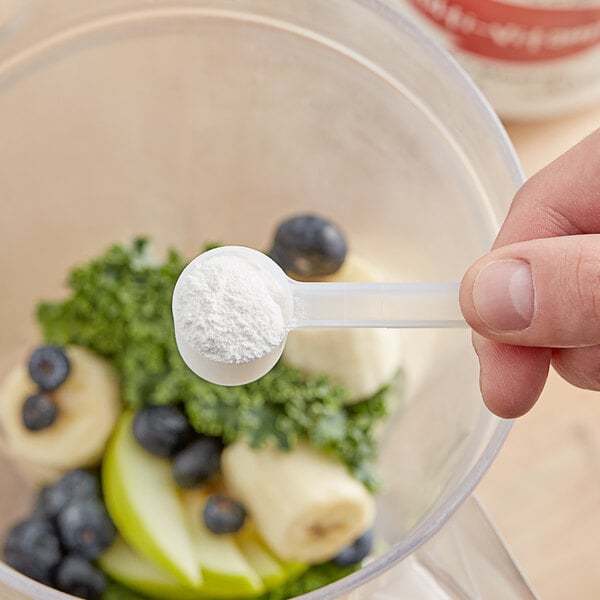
(393, 305)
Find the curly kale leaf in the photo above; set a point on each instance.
(284, 406)
(316, 577)
(120, 307)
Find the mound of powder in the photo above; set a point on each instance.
(230, 310)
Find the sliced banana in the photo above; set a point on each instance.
(38, 475)
(363, 360)
(306, 506)
(89, 405)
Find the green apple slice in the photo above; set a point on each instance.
(131, 569)
(294, 569)
(272, 570)
(269, 569)
(226, 572)
(144, 502)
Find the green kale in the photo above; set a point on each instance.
(316, 577)
(286, 405)
(120, 307)
(116, 591)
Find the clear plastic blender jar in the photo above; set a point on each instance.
(217, 119)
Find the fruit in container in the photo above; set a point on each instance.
(129, 568)
(269, 568)
(33, 548)
(226, 573)
(39, 411)
(161, 430)
(357, 551)
(78, 577)
(49, 366)
(223, 514)
(145, 505)
(198, 462)
(75, 485)
(308, 246)
(85, 527)
(88, 405)
(361, 359)
(305, 505)
(186, 509)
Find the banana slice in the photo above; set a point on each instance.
(363, 360)
(39, 475)
(306, 506)
(89, 405)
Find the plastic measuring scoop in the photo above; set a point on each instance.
(323, 304)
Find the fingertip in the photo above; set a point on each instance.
(511, 377)
(504, 406)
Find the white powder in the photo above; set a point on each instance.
(230, 310)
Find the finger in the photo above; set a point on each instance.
(543, 293)
(579, 366)
(562, 199)
(511, 377)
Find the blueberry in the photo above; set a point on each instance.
(78, 577)
(196, 463)
(161, 430)
(33, 548)
(74, 485)
(355, 552)
(309, 246)
(39, 411)
(223, 514)
(49, 367)
(85, 528)
(39, 508)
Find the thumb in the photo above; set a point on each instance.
(543, 292)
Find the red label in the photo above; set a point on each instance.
(514, 33)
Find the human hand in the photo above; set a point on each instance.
(534, 300)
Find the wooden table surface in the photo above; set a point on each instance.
(543, 491)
